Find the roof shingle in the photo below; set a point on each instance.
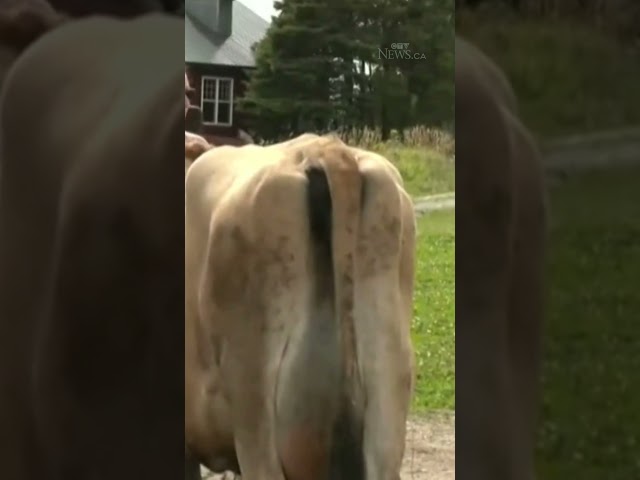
(202, 46)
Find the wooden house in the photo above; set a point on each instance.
(219, 36)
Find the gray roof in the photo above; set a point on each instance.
(203, 46)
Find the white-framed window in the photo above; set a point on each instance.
(217, 100)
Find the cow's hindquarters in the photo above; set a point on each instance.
(319, 412)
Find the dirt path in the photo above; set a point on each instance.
(442, 201)
(430, 452)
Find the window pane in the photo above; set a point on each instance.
(224, 113)
(214, 86)
(208, 112)
(224, 93)
(208, 89)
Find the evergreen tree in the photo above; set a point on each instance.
(322, 67)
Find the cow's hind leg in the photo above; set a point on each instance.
(387, 366)
(253, 281)
(253, 368)
(254, 433)
(385, 428)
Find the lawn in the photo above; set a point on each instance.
(434, 312)
(590, 418)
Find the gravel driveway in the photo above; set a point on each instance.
(430, 451)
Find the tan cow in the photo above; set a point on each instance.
(91, 254)
(299, 271)
(500, 230)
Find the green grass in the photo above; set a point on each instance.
(570, 78)
(434, 312)
(590, 418)
(424, 171)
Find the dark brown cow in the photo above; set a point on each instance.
(500, 226)
(91, 254)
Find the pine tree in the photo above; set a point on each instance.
(320, 67)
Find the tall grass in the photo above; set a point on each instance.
(439, 141)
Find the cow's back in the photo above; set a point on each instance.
(90, 152)
(222, 176)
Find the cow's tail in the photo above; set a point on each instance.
(335, 196)
(319, 402)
